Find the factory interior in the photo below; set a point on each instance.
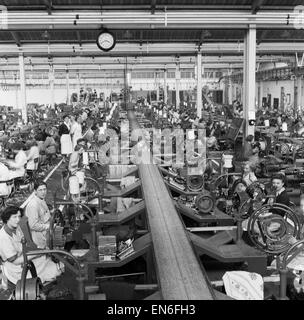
(151, 150)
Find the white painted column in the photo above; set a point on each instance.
(79, 86)
(165, 87)
(230, 87)
(128, 85)
(22, 88)
(16, 91)
(52, 84)
(249, 79)
(157, 86)
(177, 81)
(68, 99)
(199, 102)
(299, 84)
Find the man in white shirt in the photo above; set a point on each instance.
(38, 214)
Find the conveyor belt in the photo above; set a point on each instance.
(179, 272)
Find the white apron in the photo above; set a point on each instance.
(66, 144)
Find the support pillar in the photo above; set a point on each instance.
(79, 87)
(157, 87)
(68, 87)
(165, 87)
(299, 85)
(52, 84)
(249, 79)
(230, 88)
(22, 88)
(177, 82)
(16, 91)
(199, 99)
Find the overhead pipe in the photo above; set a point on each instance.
(154, 48)
(138, 18)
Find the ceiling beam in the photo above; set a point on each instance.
(144, 19)
(160, 41)
(48, 6)
(16, 38)
(256, 6)
(146, 7)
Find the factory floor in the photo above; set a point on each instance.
(214, 270)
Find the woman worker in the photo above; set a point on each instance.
(18, 164)
(11, 252)
(281, 196)
(248, 175)
(65, 138)
(76, 130)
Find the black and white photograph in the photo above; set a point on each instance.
(152, 153)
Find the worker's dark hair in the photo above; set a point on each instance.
(80, 141)
(249, 138)
(78, 147)
(256, 145)
(10, 211)
(38, 183)
(18, 146)
(279, 176)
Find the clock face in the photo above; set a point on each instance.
(106, 41)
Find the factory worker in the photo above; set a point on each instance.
(248, 175)
(18, 164)
(75, 162)
(247, 147)
(254, 159)
(33, 154)
(11, 254)
(38, 214)
(76, 130)
(5, 189)
(65, 138)
(278, 182)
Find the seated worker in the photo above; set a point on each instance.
(18, 164)
(38, 214)
(254, 159)
(300, 128)
(248, 175)
(50, 144)
(11, 252)
(278, 182)
(75, 162)
(5, 190)
(247, 148)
